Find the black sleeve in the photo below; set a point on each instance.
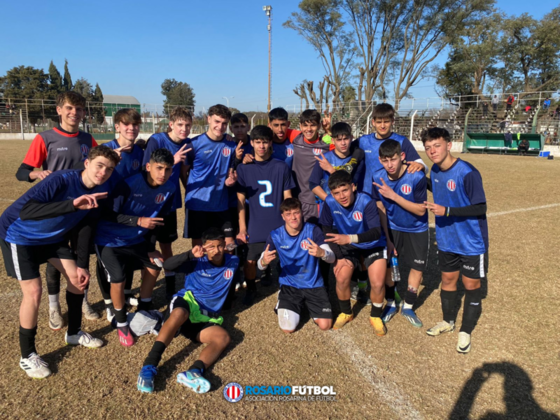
(468, 211)
(85, 232)
(369, 236)
(23, 172)
(358, 155)
(179, 262)
(334, 247)
(236, 162)
(429, 184)
(34, 210)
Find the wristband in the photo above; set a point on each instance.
(448, 208)
(353, 239)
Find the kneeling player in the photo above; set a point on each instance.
(145, 198)
(299, 246)
(461, 233)
(33, 231)
(194, 311)
(402, 199)
(351, 223)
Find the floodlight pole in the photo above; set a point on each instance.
(268, 11)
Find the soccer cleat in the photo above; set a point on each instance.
(237, 286)
(389, 311)
(83, 339)
(411, 316)
(56, 322)
(145, 382)
(379, 327)
(342, 320)
(244, 284)
(194, 380)
(464, 342)
(354, 293)
(441, 327)
(88, 311)
(249, 297)
(125, 336)
(35, 367)
(110, 313)
(131, 300)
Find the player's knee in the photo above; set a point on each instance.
(179, 315)
(34, 293)
(287, 320)
(324, 324)
(221, 338)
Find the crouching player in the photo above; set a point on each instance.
(351, 223)
(143, 200)
(194, 311)
(401, 196)
(461, 233)
(34, 229)
(299, 246)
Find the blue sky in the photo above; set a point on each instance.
(219, 47)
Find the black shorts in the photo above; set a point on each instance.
(167, 233)
(118, 261)
(255, 251)
(368, 256)
(23, 261)
(316, 300)
(413, 248)
(472, 266)
(188, 329)
(197, 222)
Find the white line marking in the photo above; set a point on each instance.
(7, 199)
(396, 400)
(503, 213)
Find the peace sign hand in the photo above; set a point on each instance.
(325, 164)
(268, 256)
(315, 250)
(239, 151)
(88, 201)
(181, 155)
(386, 191)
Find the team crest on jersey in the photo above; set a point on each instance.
(226, 151)
(233, 392)
(317, 152)
(305, 244)
(451, 185)
(135, 164)
(84, 149)
(289, 151)
(228, 274)
(357, 216)
(406, 189)
(160, 198)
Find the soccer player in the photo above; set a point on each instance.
(146, 198)
(401, 196)
(62, 147)
(211, 172)
(177, 142)
(194, 311)
(265, 184)
(382, 121)
(283, 135)
(351, 224)
(307, 146)
(33, 231)
(461, 233)
(299, 246)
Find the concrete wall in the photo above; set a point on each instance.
(554, 150)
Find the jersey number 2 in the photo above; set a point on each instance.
(262, 196)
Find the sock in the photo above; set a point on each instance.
(127, 293)
(410, 298)
(54, 301)
(154, 356)
(108, 303)
(27, 341)
(120, 317)
(53, 279)
(449, 305)
(390, 295)
(129, 276)
(345, 306)
(472, 309)
(145, 304)
(198, 365)
(102, 281)
(376, 310)
(74, 312)
(251, 284)
(86, 293)
(170, 284)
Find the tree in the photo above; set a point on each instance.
(55, 80)
(176, 94)
(98, 111)
(67, 83)
(84, 88)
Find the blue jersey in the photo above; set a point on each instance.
(131, 162)
(460, 186)
(210, 162)
(232, 193)
(361, 216)
(60, 186)
(163, 141)
(370, 145)
(263, 184)
(208, 283)
(284, 152)
(134, 197)
(412, 187)
(299, 269)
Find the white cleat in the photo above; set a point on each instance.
(35, 367)
(56, 322)
(83, 339)
(464, 342)
(88, 311)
